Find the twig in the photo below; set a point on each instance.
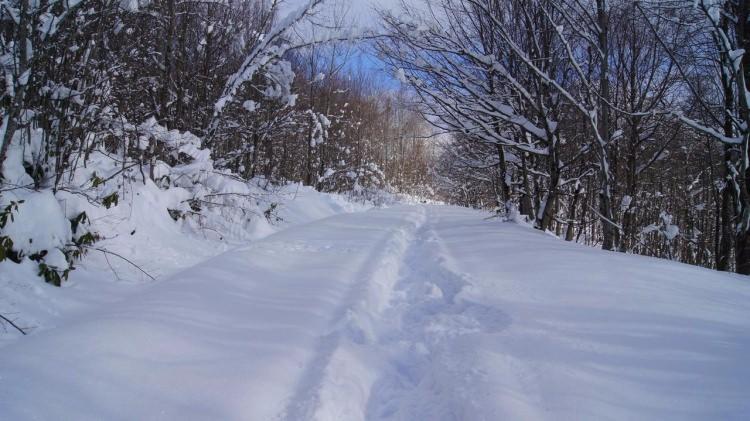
(123, 258)
(10, 322)
(605, 219)
(110, 267)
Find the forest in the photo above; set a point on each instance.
(371, 210)
(619, 124)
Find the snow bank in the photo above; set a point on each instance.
(130, 222)
(141, 230)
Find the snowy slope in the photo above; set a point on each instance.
(142, 231)
(407, 313)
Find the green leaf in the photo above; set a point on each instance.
(111, 200)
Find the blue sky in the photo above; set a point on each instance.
(361, 13)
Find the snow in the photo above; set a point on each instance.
(250, 106)
(267, 55)
(29, 236)
(625, 204)
(403, 313)
(400, 75)
(141, 230)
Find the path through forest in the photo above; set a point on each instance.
(406, 313)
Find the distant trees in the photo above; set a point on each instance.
(622, 124)
(715, 77)
(99, 94)
(616, 123)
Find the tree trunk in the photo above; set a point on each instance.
(504, 184)
(169, 65)
(609, 231)
(570, 232)
(544, 221)
(10, 121)
(526, 206)
(743, 81)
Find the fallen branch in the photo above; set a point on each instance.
(106, 252)
(10, 322)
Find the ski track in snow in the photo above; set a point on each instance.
(408, 313)
(347, 324)
(424, 370)
(432, 371)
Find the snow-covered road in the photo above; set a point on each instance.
(407, 313)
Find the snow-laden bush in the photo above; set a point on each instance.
(52, 226)
(35, 224)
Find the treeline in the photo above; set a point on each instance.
(616, 123)
(108, 92)
(89, 68)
